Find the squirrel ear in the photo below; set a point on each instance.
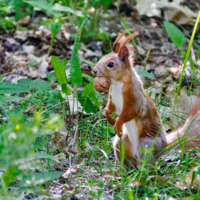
(124, 53)
(116, 45)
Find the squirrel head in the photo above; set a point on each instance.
(115, 64)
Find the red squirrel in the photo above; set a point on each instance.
(138, 123)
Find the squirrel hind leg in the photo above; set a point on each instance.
(124, 145)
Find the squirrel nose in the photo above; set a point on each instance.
(95, 71)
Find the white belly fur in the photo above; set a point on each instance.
(117, 98)
(130, 127)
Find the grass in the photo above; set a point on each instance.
(26, 147)
(96, 155)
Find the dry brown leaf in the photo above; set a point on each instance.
(160, 71)
(24, 20)
(60, 136)
(116, 173)
(21, 35)
(177, 70)
(183, 106)
(74, 170)
(188, 180)
(12, 41)
(43, 64)
(71, 170)
(159, 59)
(172, 10)
(64, 140)
(65, 34)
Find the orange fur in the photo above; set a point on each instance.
(138, 124)
(116, 44)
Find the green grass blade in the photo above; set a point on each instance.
(75, 70)
(186, 58)
(188, 52)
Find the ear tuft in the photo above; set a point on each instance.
(128, 39)
(124, 53)
(116, 48)
(116, 45)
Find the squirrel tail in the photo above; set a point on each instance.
(190, 130)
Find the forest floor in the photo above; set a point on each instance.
(89, 167)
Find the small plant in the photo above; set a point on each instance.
(76, 79)
(17, 146)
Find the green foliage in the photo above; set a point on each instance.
(175, 34)
(12, 6)
(33, 63)
(39, 178)
(64, 62)
(17, 146)
(104, 4)
(10, 98)
(87, 62)
(187, 55)
(43, 5)
(59, 70)
(59, 10)
(146, 74)
(88, 89)
(24, 134)
(59, 7)
(75, 71)
(41, 96)
(94, 95)
(37, 84)
(54, 29)
(18, 135)
(7, 88)
(87, 104)
(60, 75)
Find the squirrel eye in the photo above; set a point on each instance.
(110, 64)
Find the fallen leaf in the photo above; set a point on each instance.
(116, 173)
(12, 41)
(184, 104)
(190, 180)
(24, 20)
(28, 49)
(173, 11)
(21, 35)
(65, 140)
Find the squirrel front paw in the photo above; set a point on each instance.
(118, 129)
(109, 117)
